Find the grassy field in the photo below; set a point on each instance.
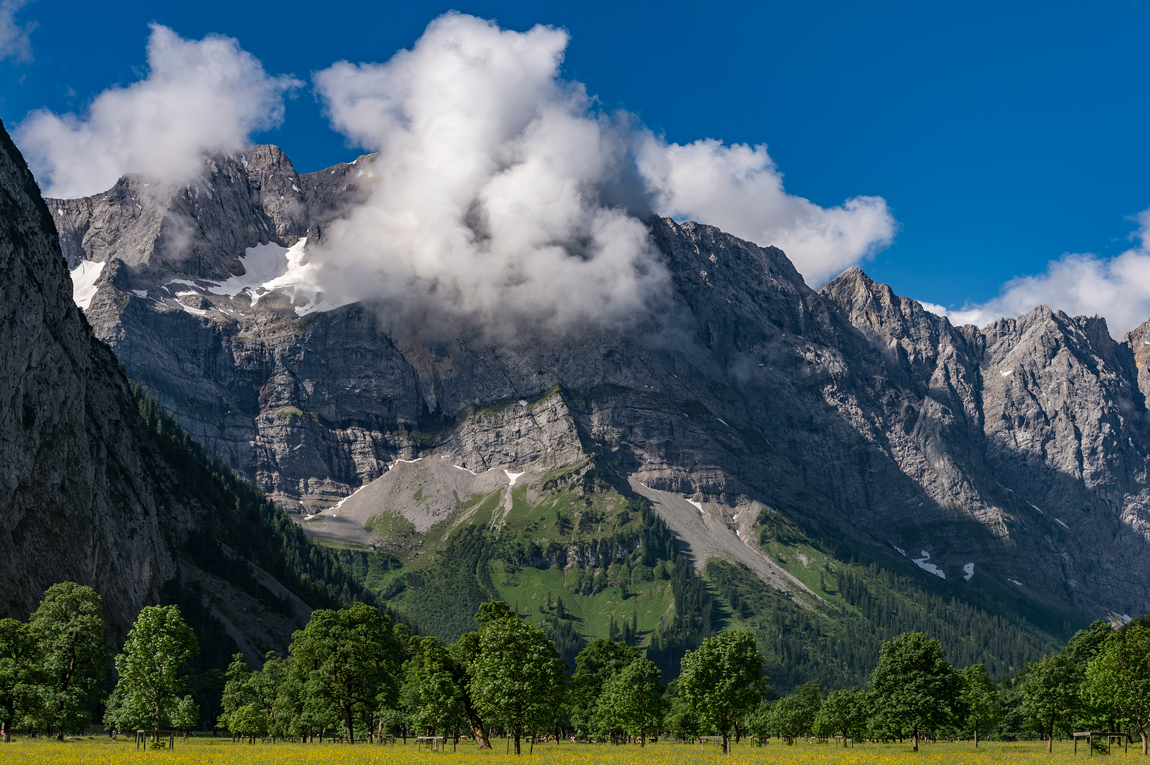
(223, 752)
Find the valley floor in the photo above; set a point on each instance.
(221, 751)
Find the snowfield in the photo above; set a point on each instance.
(84, 282)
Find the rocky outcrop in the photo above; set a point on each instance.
(84, 495)
(1034, 426)
(1020, 448)
(77, 502)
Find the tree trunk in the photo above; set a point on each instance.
(1050, 739)
(60, 732)
(347, 724)
(975, 736)
(725, 746)
(517, 740)
(914, 740)
(1143, 734)
(477, 726)
(7, 732)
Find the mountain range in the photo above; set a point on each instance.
(775, 448)
(101, 486)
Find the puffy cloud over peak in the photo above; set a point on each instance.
(199, 96)
(503, 186)
(1081, 285)
(739, 189)
(493, 184)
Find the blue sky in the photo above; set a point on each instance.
(1001, 135)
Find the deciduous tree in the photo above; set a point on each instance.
(464, 652)
(1051, 692)
(517, 676)
(843, 712)
(185, 714)
(794, 715)
(16, 673)
(236, 693)
(631, 700)
(915, 688)
(150, 668)
(723, 681)
(433, 688)
(351, 658)
(979, 699)
(594, 666)
(68, 631)
(1119, 677)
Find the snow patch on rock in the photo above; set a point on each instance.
(84, 282)
(269, 267)
(929, 568)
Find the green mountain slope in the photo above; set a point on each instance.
(573, 550)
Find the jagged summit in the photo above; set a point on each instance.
(1020, 449)
(88, 492)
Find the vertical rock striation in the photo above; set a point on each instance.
(86, 493)
(1021, 448)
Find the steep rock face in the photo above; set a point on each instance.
(851, 407)
(83, 496)
(200, 228)
(1041, 426)
(77, 504)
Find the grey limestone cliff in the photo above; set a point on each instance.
(84, 496)
(1019, 450)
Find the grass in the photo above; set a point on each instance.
(210, 751)
(527, 589)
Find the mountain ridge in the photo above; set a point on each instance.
(1010, 448)
(101, 487)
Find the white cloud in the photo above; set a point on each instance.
(934, 308)
(504, 192)
(739, 189)
(496, 183)
(1081, 285)
(14, 40)
(199, 96)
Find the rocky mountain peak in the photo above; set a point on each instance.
(1011, 449)
(75, 497)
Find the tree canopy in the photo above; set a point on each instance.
(517, 676)
(723, 681)
(157, 648)
(980, 699)
(350, 659)
(1118, 677)
(915, 687)
(1050, 693)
